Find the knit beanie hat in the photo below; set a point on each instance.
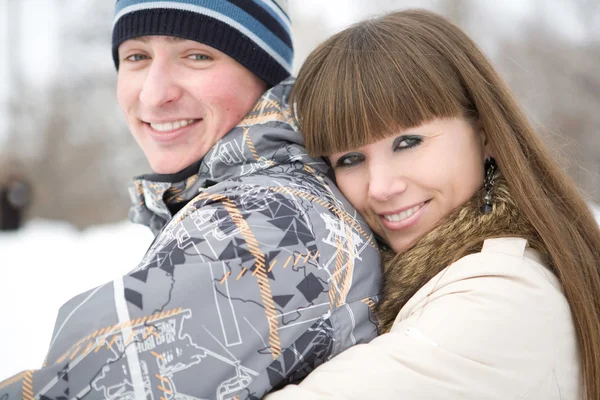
(256, 33)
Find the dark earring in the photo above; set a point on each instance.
(488, 185)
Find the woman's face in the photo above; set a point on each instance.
(404, 184)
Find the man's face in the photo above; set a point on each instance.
(180, 97)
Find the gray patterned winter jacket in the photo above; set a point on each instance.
(259, 272)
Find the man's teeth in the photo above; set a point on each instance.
(171, 126)
(403, 215)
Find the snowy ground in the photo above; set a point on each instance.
(43, 266)
(46, 264)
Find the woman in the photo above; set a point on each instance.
(492, 287)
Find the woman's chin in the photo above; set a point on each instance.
(400, 246)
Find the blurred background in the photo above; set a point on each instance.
(62, 131)
(67, 155)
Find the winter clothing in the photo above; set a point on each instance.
(256, 33)
(494, 325)
(471, 319)
(260, 272)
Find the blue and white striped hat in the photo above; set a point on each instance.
(256, 33)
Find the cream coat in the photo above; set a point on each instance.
(493, 325)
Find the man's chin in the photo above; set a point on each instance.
(168, 167)
(166, 160)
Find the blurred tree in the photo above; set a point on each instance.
(79, 154)
(14, 83)
(83, 155)
(309, 28)
(560, 88)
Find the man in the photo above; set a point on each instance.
(260, 270)
(15, 196)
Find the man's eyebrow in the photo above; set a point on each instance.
(145, 39)
(175, 39)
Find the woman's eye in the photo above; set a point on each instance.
(407, 142)
(349, 160)
(136, 57)
(198, 57)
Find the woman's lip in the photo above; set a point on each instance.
(408, 222)
(166, 137)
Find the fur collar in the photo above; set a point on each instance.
(461, 233)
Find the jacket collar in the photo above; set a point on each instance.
(266, 137)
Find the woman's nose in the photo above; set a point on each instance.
(385, 182)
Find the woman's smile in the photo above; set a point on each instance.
(405, 218)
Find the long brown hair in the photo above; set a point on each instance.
(407, 68)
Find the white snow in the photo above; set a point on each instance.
(44, 265)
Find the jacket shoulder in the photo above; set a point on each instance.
(301, 223)
(506, 257)
(506, 277)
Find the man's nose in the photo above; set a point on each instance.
(385, 182)
(160, 85)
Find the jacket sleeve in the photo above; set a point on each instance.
(476, 331)
(231, 301)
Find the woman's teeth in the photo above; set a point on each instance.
(404, 214)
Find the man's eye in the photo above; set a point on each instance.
(136, 57)
(349, 160)
(198, 57)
